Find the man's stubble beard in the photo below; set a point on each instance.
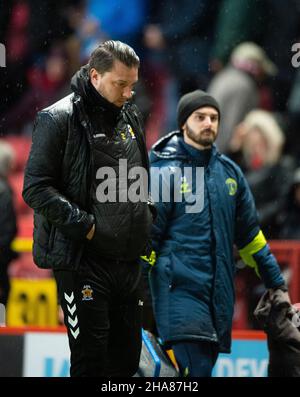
(199, 139)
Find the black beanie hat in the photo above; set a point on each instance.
(188, 103)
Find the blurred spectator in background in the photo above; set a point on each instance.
(8, 227)
(28, 29)
(98, 21)
(185, 32)
(281, 30)
(47, 84)
(237, 21)
(15, 19)
(269, 174)
(120, 19)
(289, 218)
(95, 22)
(178, 41)
(237, 87)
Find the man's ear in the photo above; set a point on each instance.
(94, 75)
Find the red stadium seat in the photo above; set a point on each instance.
(16, 182)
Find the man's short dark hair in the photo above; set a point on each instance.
(103, 57)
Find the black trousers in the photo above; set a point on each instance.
(102, 308)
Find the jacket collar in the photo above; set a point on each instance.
(82, 86)
(169, 148)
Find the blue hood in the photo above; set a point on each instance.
(169, 148)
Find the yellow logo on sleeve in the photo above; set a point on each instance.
(232, 186)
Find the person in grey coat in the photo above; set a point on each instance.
(236, 87)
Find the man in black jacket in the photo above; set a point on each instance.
(84, 228)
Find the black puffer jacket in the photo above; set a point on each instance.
(58, 183)
(280, 321)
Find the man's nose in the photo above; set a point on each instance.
(127, 93)
(207, 121)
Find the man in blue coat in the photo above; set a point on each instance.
(204, 207)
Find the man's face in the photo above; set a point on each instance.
(116, 85)
(201, 127)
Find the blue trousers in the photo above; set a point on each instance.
(195, 359)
